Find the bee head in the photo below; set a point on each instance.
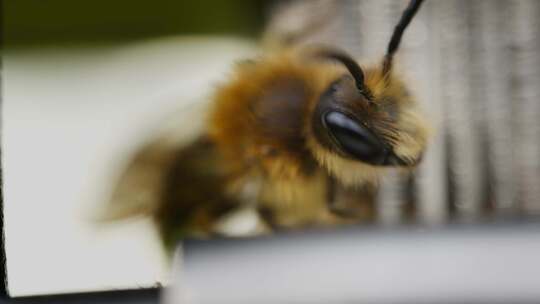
(348, 122)
(368, 118)
(364, 124)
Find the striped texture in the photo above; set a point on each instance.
(475, 67)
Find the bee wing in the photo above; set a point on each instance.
(139, 188)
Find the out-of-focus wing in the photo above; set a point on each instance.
(139, 187)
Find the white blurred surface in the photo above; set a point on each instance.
(487, 264)
(71, 117)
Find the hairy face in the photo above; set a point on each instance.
(359, 131)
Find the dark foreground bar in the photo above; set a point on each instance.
(459, 264)
(139, 296)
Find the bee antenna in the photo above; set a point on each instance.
(351, 65)
(406, 17)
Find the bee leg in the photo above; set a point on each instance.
(353, 204)
(331, 193)
(268, 216)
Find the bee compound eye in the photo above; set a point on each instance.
(354, 138)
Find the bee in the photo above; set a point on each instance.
(301, 136)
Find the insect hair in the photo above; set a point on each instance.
(267, 143)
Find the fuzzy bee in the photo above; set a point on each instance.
(300, 135)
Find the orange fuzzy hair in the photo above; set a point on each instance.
(289, 85)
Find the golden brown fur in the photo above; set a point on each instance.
(258, 149)
(291, 166)
(300, 135)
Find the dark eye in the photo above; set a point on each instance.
(354, 138)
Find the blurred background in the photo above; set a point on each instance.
(85, 84)
(475, 67)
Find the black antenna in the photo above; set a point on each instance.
(348, 62)
(408, 15)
